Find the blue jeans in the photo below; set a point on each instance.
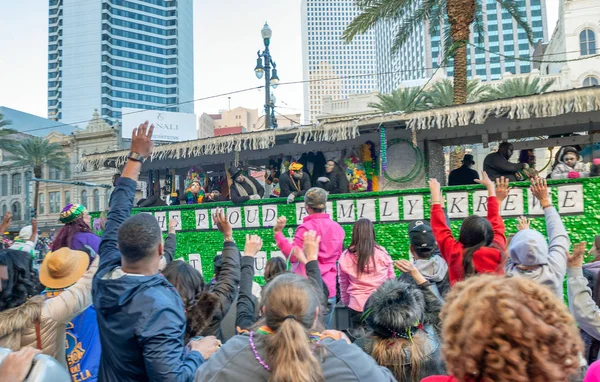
(330, 308)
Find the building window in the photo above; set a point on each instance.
(590, 81)
(54, 202)
(4, 185)
(54, 174)
(68, 171)
(41, 205)
(4, 210)
(16, 211)
(587, 42)
(16, 184)
(96, 200)
(84, 198)
(67, 197)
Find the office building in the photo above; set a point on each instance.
(331, 66)
(107, 55)
(487, 59)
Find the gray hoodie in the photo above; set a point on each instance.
(435, 270)
(235, 361)
(529, 247)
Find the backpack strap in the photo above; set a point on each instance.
(38, 336)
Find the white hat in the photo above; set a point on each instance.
(26, 233)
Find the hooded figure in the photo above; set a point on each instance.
(403, 316)
(243, 188)
(569, 165)
(26, 240)
(335, 180)
(531, 256)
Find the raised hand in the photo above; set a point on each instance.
(502, 189)
(253, 245)
(141, 140)
(523, 223)
(539, 189)
(406, 266)
(485, 181)
(280, 225)
(575, 259)
(220, 219)
(173, 223)
(436, 191)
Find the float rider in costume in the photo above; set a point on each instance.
(194, 190)
(294, 182)
(243, 188)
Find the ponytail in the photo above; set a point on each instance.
(397, 353)
(289, 354)
(468, 267)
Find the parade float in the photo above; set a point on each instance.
(389, 158)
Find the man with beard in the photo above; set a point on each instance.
(244, 188)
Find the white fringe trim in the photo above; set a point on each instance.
(539, 106)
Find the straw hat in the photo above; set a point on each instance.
(63, 267)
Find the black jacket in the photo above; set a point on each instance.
(286, 186)
(246, 304)
(496, 166)
(235, 195)
(338, 183)
(140, 318)
(462, 176)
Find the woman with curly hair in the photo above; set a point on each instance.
(507, 329)
(481, 246)
(76, 232)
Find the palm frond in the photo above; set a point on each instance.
(441, 93)
(4, 122)
(36, 151)
(372, 13)
(518, 87)
(411, 21)
(400, 100)
(512, 7)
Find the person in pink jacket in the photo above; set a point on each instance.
(330, 249)
(362, 269)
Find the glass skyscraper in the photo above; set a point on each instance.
(333, 67)
(487, 59)
(109, 54)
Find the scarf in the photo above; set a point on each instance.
(242, 191)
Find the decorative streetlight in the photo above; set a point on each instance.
(264, 63)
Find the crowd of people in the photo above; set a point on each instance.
(568, 164)
(472, 307)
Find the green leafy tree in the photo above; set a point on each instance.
(403, 99)
(37, 152)
(518, 87)
(451, 18)
(441, 93)
(4, 131)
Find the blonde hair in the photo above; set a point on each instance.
(290, 309)
(508, 329)
(390, 353)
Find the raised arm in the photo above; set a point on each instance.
(121, 200)
(581, 304)
(493, 213)
(557, 233)
(282, 242)
(246, 303)
(229, 278)
(503, 165)
(439, 226)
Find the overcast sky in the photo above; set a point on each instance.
(226, 39)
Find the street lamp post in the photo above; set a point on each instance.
(264, 63)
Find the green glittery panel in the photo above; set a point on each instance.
(392, 235)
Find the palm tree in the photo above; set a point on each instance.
(441, 93)
(460, 15)
(37, 152)
(518, 87)
(403, 99)
(4, 132)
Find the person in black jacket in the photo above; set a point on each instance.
(334, 181)
(294, 182)
(243, 188)
(247, 303)
(464, 174)
(497, 165)
(205, 309)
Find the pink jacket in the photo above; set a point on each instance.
(331, 247)
(356, 290)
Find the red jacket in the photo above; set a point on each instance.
(485, 259)
(439, 378)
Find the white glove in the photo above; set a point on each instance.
(254, 197)
(323, 179)
(291, 198)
